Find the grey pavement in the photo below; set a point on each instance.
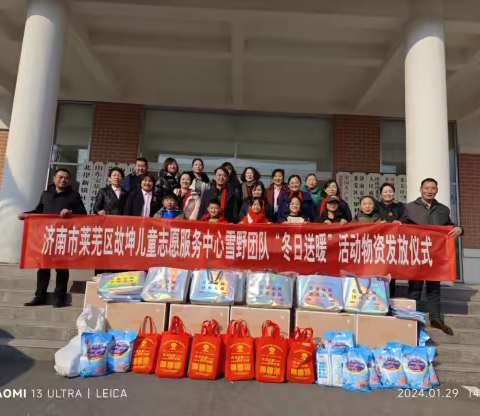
(149, 395)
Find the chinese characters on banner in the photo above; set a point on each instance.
(137, 243)
(355, 185)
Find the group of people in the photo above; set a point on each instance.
(193, 196)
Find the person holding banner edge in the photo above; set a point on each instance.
(426, 210)
(58, 199)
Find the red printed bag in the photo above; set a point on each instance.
(205, 354)
(173, 352)
(240, 355)
(301, 357)
(145, 349)
(270, 354)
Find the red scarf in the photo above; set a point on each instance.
(223, 199)
(184, 199)
(298, 194)
(221, 218)
(256, 218)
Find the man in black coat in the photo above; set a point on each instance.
(227, 194)
(132, 182)
(58, 199)
(426, 210)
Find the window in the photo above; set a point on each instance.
(72, 139)
(393, 147)
(298, 144)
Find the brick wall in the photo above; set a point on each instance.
(468, 175)
(356, 144)
(3, 151)
(116, 132)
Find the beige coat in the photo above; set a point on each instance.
(192, 204)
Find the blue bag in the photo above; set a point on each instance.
(93, 362)
(431, 371)
(329, 364)
(120, 351)
(416, 366)
(423, 337)
(338, 339)
(389, 362)
(355, 369)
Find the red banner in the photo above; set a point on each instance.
(137, 243)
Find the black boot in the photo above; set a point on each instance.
(36, 301)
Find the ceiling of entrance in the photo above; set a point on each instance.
(302, 56)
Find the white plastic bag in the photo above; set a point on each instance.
(92, 319)
(67, 359)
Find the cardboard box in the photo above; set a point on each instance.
(92, 298)
(376, 331)
(403, 303)
(255, 317)
(129, 316)
(322, 322)
(193, 316)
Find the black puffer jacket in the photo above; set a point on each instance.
(165, 183)
(53, 202)
(107, 201)
(391, 212)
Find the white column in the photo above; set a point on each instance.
(33, 119)
(426, 100)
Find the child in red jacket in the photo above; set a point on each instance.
(256, 213)
(215, 213)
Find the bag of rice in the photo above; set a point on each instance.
(93, 361)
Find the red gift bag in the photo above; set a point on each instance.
(271, 354)
(205, 354)
(301, 357)
(173, 351)
(145, 349)
(240, 356)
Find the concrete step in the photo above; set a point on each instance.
(460, 307)
(25, 283)
(464, 336)
(456, 353)
(19, 349)
(462, 321)
(35, 329)
(41, 313)
(13, 271)
(21, 296)
(457, 292)
(465, 374)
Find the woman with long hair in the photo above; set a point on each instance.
(167, 180)
(200, 180)
(331, 188)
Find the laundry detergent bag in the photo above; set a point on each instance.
(338, 339)
(120, 351)
(389, 363)
(356, 362)
(93, 361)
